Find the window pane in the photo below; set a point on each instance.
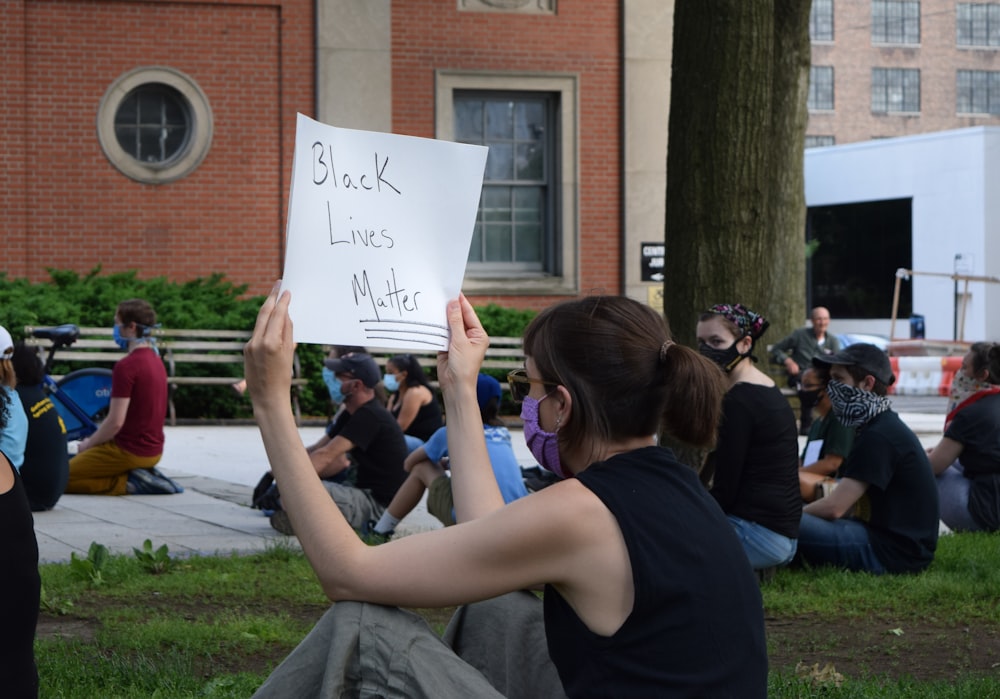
(173, 113)
(469, 121)
(528, 243)
(149, 146)
(499, 120)
(530, 162)
(500, 162)
(126, 136)
(498, 243)
(128, 111)
(496, 204)
(530, 121)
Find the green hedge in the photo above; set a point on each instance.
(210, 303)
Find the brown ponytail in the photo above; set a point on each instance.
(625, 375)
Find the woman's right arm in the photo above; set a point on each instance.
(473, 484)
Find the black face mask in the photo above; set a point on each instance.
(726, 358)
(813, 393)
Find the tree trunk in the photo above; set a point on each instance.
(735, 205)
(735, 200)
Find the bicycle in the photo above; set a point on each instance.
(81, 397)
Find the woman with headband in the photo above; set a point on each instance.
(754, 468)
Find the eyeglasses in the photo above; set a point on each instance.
(520, 384)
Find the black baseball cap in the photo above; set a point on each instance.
(360, 366)
(868, 357)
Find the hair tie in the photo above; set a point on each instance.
(663, 349)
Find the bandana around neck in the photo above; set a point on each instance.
(855, 406)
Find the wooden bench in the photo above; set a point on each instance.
(181, 349)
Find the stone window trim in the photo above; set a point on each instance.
(201, 126)
(447, 82)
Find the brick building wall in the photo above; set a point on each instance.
(853, 54)
(583, 38)
(66, 206)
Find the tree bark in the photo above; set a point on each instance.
(735, 209)
(735, 200)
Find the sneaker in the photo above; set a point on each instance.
(280, 521)
(369, 534)
(149, 481)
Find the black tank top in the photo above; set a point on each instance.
(697, 625)
(20, 587)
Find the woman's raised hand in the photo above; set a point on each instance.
(269, 353)
(460, 364)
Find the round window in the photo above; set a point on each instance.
(154, 125)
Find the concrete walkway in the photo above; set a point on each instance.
(218, 467)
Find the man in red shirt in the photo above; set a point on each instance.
(118, 459)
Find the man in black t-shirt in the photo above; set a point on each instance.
(367, 433)
(883, 515)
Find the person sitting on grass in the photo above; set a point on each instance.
(20, 584)
(14, 435)
(967, 459)
(46, 458)
(427, 473)
(412, 399)
(828, 444)
(120, 457)
(647, 590)
(365, 433)
(883, 515)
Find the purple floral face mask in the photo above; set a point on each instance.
(544, 446)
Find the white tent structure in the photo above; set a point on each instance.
(953, 181)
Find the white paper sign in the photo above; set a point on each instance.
(813, 450)
(379, 227)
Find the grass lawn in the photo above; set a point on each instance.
(151, 626)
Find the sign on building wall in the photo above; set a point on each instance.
(379, 227)
(652, 262)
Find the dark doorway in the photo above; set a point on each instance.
(856, 250)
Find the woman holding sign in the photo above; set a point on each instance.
(647, 591)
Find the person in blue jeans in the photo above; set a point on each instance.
(754, 467)
(883, 515)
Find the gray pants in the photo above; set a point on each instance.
(490, 650)
(358, 505)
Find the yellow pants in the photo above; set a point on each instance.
(103, 469)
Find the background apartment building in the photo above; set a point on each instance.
(884, 68)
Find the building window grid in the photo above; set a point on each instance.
(152, 123)
(820, 88)
(513, 223)
(895, 21)
(821, 20)
(896, 90)
(978, 92)
(820, 141)
(977, 24)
